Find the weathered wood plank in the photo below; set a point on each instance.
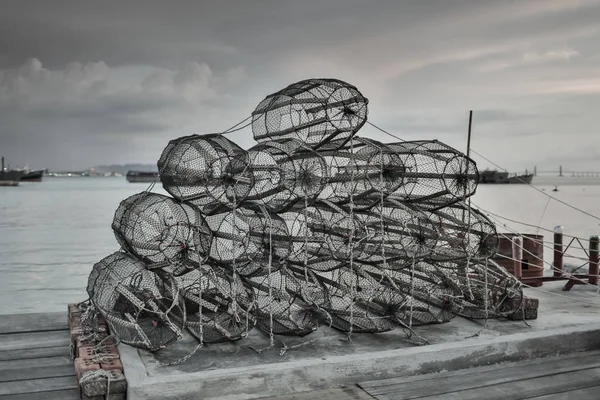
(19, 370)
(517, 390)
(478, 378)
(41, 322)
(38, 386)
(588, 356)
(24, 354)
(71, 394)
(14, 375)
(32, 340)
(589, 393)
(38, 362)
(343, 393)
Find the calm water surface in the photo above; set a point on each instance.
(52, 233)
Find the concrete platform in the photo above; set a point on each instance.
(567, 322)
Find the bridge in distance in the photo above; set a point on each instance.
(560, 171)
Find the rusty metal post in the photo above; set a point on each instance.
(517, 255)
(593, 271)
(558, 251)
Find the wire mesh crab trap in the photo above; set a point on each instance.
(286, 172)
(246, 237)
(360, 170)
(490, 292)
(436, 175)
(289, 304)
(141, 308)
(314, 111)
(219, 307)
(208, 171)
(161, 232)
(464, 233)
(358, 303)
(429, 298)
(397, 234)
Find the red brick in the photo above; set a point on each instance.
(98, 386)
(81, 342)
(76, 333)
(531, 303)
(74, 323)
(83, 364)
(112, 365)
(90, 351)
(74, 315)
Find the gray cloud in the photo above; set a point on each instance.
(89, 83)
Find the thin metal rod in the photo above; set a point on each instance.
(469, 137)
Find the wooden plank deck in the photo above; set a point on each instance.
(35, 364)
(34, 358)
(575, 376)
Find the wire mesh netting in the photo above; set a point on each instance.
(314, 111)
(162, 233)
(311, 226)
(141, 308)
(219, 306)
(208, 171)
(286, 172)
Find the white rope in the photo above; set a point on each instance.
(526, 224)
(467, 250)
(495, 217)
(562, 296)
(270, 283)
(485, 302)
(306, 238)
(351, 240)
(543, 213)
(542, 192)
(552, 268)
(412, 293)
(99, 373)
(271, 338)
(234, 261)
(200, 315)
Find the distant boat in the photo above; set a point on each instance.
(503, 177)
(24, 175)
(33, 176)
(142, 177)
(9, 175)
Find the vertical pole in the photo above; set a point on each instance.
(468, 155)
(558, 251)
(469, 136)
(593, 274)
(517, 255)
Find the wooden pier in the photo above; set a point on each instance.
(35, 360)
(36, 363)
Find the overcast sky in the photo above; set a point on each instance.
(84, 83)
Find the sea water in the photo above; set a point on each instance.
(52, 233)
